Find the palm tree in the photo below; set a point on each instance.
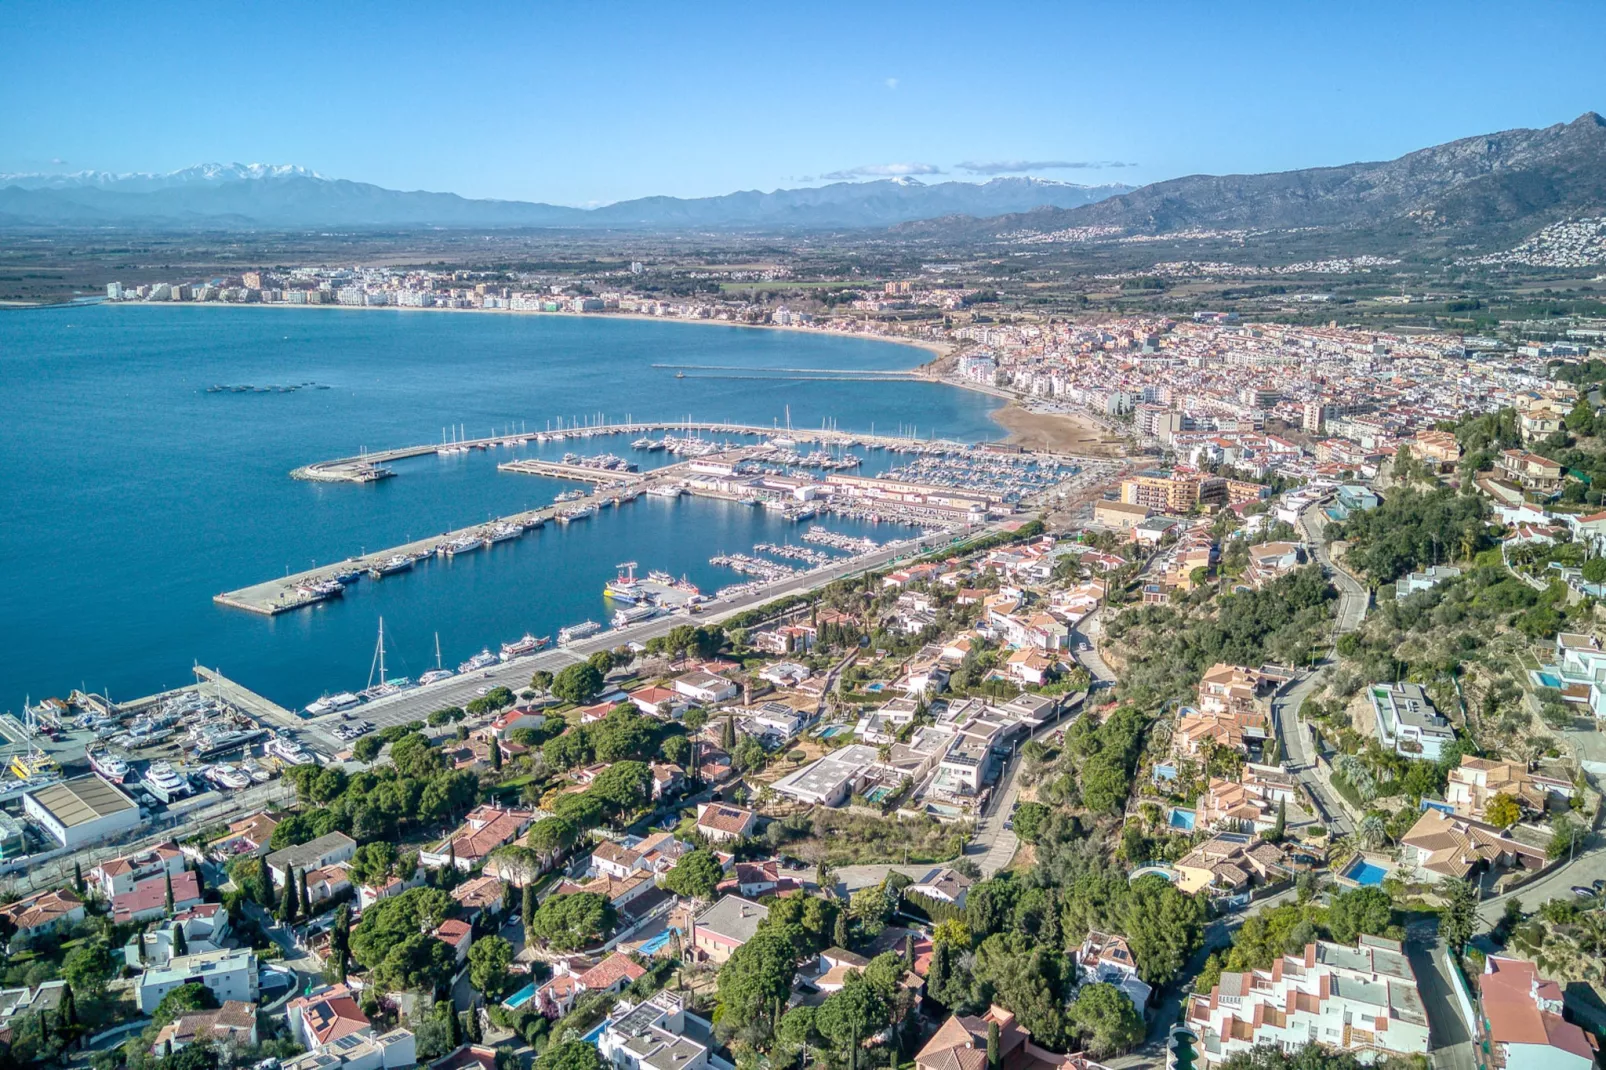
(1372, 831)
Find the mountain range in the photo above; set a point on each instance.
(1478, 187)
(251, 196)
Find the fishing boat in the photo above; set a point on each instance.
(348, 576)
(107, 765)
(666, 490)
(390, 566)
(569, 516)
(463, 545)
(504, 532)
(579, 631)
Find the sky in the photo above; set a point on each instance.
(586, 104)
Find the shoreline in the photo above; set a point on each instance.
(1055, 432)
(938, 349)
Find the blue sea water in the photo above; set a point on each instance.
(129, 495)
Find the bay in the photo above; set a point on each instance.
(129, 495)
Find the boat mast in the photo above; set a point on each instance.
(437, 650)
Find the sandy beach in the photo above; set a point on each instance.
(1057, 432)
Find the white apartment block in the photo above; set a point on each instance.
(1361, 1000)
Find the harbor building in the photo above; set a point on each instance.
(81, 810)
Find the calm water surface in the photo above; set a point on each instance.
(130, 495)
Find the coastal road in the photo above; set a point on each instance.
(1086, 652)
(417, 703)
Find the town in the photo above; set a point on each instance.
(1283, 730)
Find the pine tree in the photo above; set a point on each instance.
(992, 1046)
(496, 755)
(78, 879)
(287, 906)
(169, 877)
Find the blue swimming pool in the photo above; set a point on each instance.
(596, 1034)
(1365, 873)
(521, 997)
(1549, 680)
(1182, 819)
(832, 730)
(656, 942)
(875, 688)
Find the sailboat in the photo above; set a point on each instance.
(377, 670)
(439, 672)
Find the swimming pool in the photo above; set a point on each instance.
(875, 688)
(656, 942)
(521, 997)
(831, 730)
(1182, 819)
(1365, 873)
(596, 1034)
(1548, 680)
(879, 794)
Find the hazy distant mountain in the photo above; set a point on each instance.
(1478, 185)
(277, 196)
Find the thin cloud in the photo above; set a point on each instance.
(890, 83)
(1015, 167)
(59, 162)
(884, 170)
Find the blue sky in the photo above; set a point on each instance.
(592, 103)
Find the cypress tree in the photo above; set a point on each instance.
(44, 1030)
(529, 909)
(509, 897)
(496, 755)
(287, 906)
(451, 852)
(181, 944)
(454, 1027)
(937, 974)
(992, 1046)
(1280, 825)
(839, 935)
(475, 1033)
(78, 878)
(264, 889)
(727, 735)
(306, 897)
(341, 941)
(69, 1006)
(169, 877)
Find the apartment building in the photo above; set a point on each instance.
(1529, 469)
(1174, 492)
(1362, 1000)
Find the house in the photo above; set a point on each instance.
(456, 934)
(725, 926)
(1475, 781)
(322, 1018)
(148, 898)
(723, 823)
(556, 997)
(234, 1023)
(705, 687)
(1230, 862)
(514, 719)
(1425, 580)
(1521, 1014)
(205, 927)
(943, 884)
(395, 1050)
(314, 854)
(1120, 515)
(784, 673)
(834, 964)
(479, 895)
(248, 837)
(1407, 723)
(659, 1034)
(777, 721)
(960, 1043)
(659, 701)
(1529, 469)
(230, 974)
(751, 880)
(1360, 999)
(1031, 666)
(42, 912)
(616, 890)
(326, 882)
(120, 874)
(1234, 806)
(1444, 845)
(668, 780)
(484, 830)
(1107, 959)
(1270, 560)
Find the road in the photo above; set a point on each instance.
(418, 703)
(1085, 652)
(992, 846)
(1451, 1043)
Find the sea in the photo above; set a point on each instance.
(131, 493)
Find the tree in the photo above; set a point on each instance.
(570, 1055)
(1503, 810)
(306, 895)
(373, 863)
(340, 941)
(1279, 827)
(1357, 911)
(527, 914)
(289, 903)
(182, 1000)
(577, 684)
(454, 1025)
(78, 879)
(390, 920)
(168, 876)
(1106, 1019)
(1029, 820)
(1565, 837)
(1458, 918)
(570, 922)
(488, 960)
(367, 748)
(496, 755)
(88, 967)
(1163, 927)
(727, 735)
(676, 749)
(602, 661)
(757, 977)
(993, 1056)
(696, 875)
(851, 1015)
(181, 943)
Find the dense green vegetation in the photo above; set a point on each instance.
(1412, 529)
